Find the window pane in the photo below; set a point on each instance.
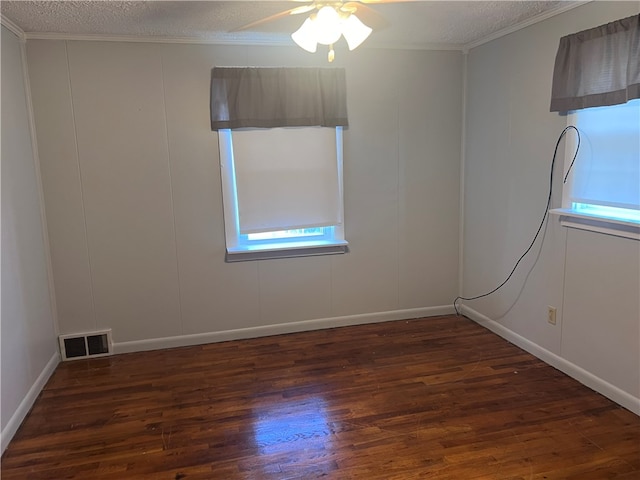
(607, 169)
(286, 178)
(288, 240)
(608, 212)
(297, 233)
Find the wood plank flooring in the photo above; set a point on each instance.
(436, 398)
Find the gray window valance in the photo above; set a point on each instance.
(278, 97)
(598, 67)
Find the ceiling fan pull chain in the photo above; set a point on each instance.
(332, 54)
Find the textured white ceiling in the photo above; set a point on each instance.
(412, 24)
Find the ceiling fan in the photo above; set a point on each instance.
(328, 21)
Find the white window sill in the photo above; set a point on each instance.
(286, 250)
(597, 223)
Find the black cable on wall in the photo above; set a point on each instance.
(544, 216)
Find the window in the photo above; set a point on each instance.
(280, 139)
(282, 192)
(604, 183)
(596, 79)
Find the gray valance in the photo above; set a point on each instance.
(598, 67)
(278, 97)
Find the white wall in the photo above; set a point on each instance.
(132, 187)
(28, 346)
(591, 278)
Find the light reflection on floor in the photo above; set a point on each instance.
(292, 425)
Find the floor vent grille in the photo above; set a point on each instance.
(85, 345)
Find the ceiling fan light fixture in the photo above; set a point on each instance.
(354, 31)
(328, 25)
(305, 36)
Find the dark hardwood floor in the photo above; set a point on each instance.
(436, 398)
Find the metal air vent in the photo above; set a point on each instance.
(84, 345)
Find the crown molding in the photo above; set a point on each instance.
(13, 28)
(561, 8)
(423, 46)
(221, 40)
(213, 40)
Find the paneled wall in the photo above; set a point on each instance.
(132, 189)
(28, 350)
(591, 278)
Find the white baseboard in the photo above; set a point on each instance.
(585, 377)
(278, 329)
(27, 402)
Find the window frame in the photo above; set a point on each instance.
(238, 248)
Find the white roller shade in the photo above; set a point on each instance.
(607, 169)
(286, 178)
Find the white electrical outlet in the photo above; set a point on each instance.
(551, 315)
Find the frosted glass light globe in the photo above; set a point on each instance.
(327, 25)
(355, 32)
(305, 36)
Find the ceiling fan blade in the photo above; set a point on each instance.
(367, 15)
(286, 13)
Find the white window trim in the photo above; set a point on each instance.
(597, 223)
(303, 248)
(573, 218)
